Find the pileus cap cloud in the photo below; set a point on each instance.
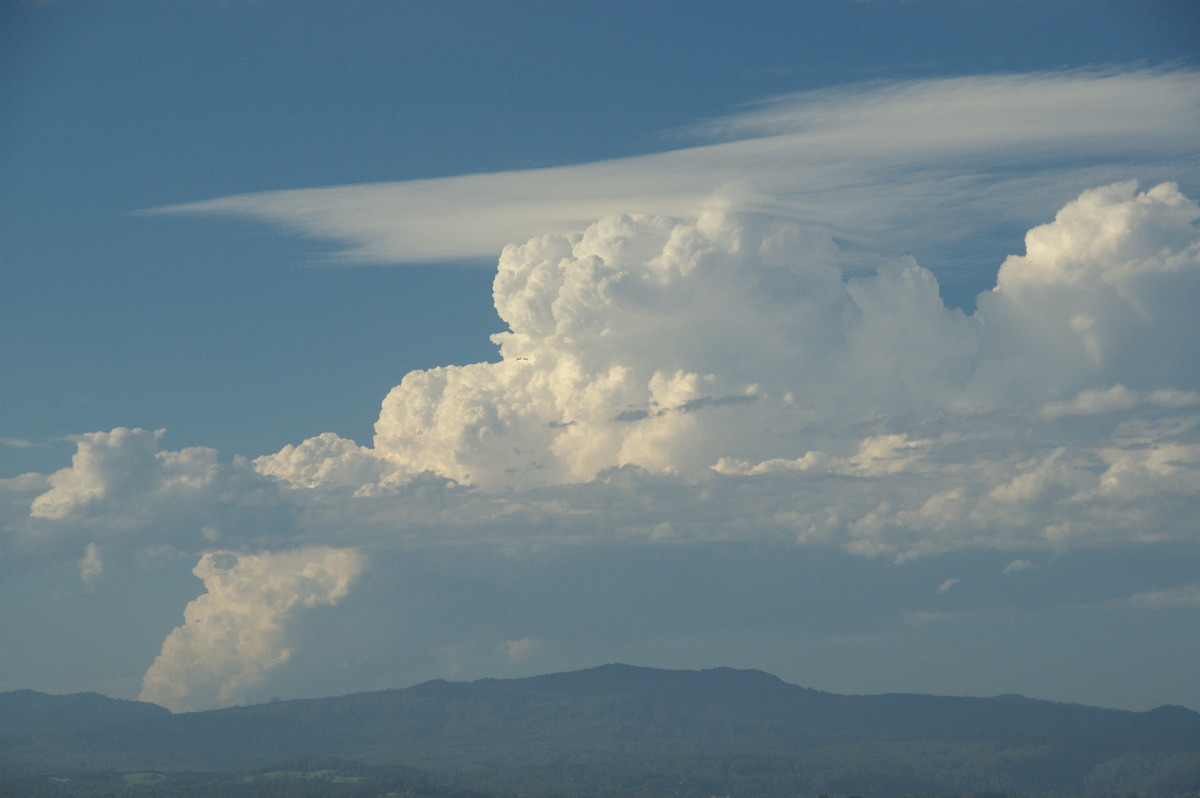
(972, 152)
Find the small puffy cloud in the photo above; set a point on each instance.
(1017, 565)
(517, 651)
(326, 459)
(237, 632)
(947, 586)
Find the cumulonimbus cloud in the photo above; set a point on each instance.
(684, 371)
(675, 346)
(730, 353)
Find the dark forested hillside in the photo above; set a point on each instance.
(621, 730)
(26, 709)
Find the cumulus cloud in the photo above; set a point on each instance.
(1102, 296)
(626, 346)
(123, 498)
(238, 630)
(733, 342)
(114, 466)
(325, 459)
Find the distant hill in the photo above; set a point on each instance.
(620, 730)
(26, 710)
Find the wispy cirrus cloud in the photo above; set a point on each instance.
(935, 166)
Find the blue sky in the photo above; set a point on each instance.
(245, 222)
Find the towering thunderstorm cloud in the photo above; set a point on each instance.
(682, 346)
(709, 379)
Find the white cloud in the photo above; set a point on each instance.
(1182, 597)
(669, 345)
(929, 116)
(235, 634)
(877, 455)
(112, 465)
(91, 566)
(856, 412)
(935, 165)
(1017, 565)
(1118, 398)
(1102, 296)
(125, 498)
(325, 459)
(947, 586)
(517, 651)
(734, 342)
(628, 346)
(666, 380)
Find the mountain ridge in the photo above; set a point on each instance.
(564, 678)
(554, 727)
(30, 709)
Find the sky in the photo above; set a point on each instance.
(350, 345)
